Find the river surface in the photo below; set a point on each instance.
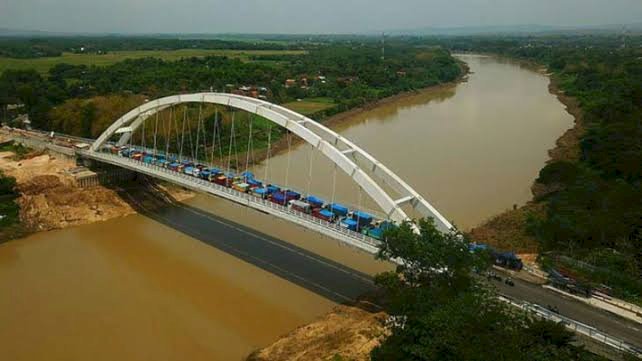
(144, 288)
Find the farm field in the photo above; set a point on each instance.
(42, 65)
(310, 106)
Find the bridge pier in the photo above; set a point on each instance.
(91, 177)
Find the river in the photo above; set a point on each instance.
(163, 288)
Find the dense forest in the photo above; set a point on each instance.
(594, 207)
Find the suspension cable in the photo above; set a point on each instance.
(310, 169)
(180, 154)
(334, 182)
(191, 140)
(287, 169)
(249, 145)
(204, 130)
(131, 139)
(155, 133)
(178, 136)
(198, 129)
(359, 204)
(236, 152)
(214, 136)
(268, 153)
(163, 133)
(229, 154)
(168, 134)
(143, 136)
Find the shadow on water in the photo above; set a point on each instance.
(315, 273)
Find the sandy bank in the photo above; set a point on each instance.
(51, 199)
(347, 332)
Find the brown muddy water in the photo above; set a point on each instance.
(138, 289)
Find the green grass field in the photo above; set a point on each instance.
(310, 105)
(42, 65)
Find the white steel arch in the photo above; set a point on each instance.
(347, 156)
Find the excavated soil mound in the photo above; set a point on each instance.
(348, 332)
(48, 202)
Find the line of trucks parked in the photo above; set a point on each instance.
(245, 182)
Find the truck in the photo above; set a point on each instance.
(323, 214)
(363, 219)
(254, 183)
(204, 174)
(349, 224)
(247, 176)
(221, 180)
(377, 229)
(299, 206)
(278, 198)
(260, 192)
(507, 260)
(292, 195)
(338, 209)
(241, 187)
(283, 197)
(214, 172)
(315, 202)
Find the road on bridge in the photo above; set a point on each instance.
(604, 321)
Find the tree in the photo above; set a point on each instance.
(444, 311)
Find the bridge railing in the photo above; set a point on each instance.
(240, 197)
(576, 326)
(155, 152)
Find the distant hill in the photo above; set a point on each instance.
(532, 29)
(19, 33)
(518, 30)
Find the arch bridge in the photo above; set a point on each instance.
(390, 193)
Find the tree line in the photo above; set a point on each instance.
(353, 76)
(23, 48)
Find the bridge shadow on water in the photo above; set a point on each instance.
(315, 273)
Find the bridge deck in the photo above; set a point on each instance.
(354, 239)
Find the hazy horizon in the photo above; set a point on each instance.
(305, 16)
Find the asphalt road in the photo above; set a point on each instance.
(341, 283)
(604, 321)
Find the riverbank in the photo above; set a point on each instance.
(507, 230)
(49, 197)
(345, 333)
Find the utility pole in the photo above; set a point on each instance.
(383, 46)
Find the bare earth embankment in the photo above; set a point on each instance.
(50, 199)
(347, 332)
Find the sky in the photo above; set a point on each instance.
(304, 16)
